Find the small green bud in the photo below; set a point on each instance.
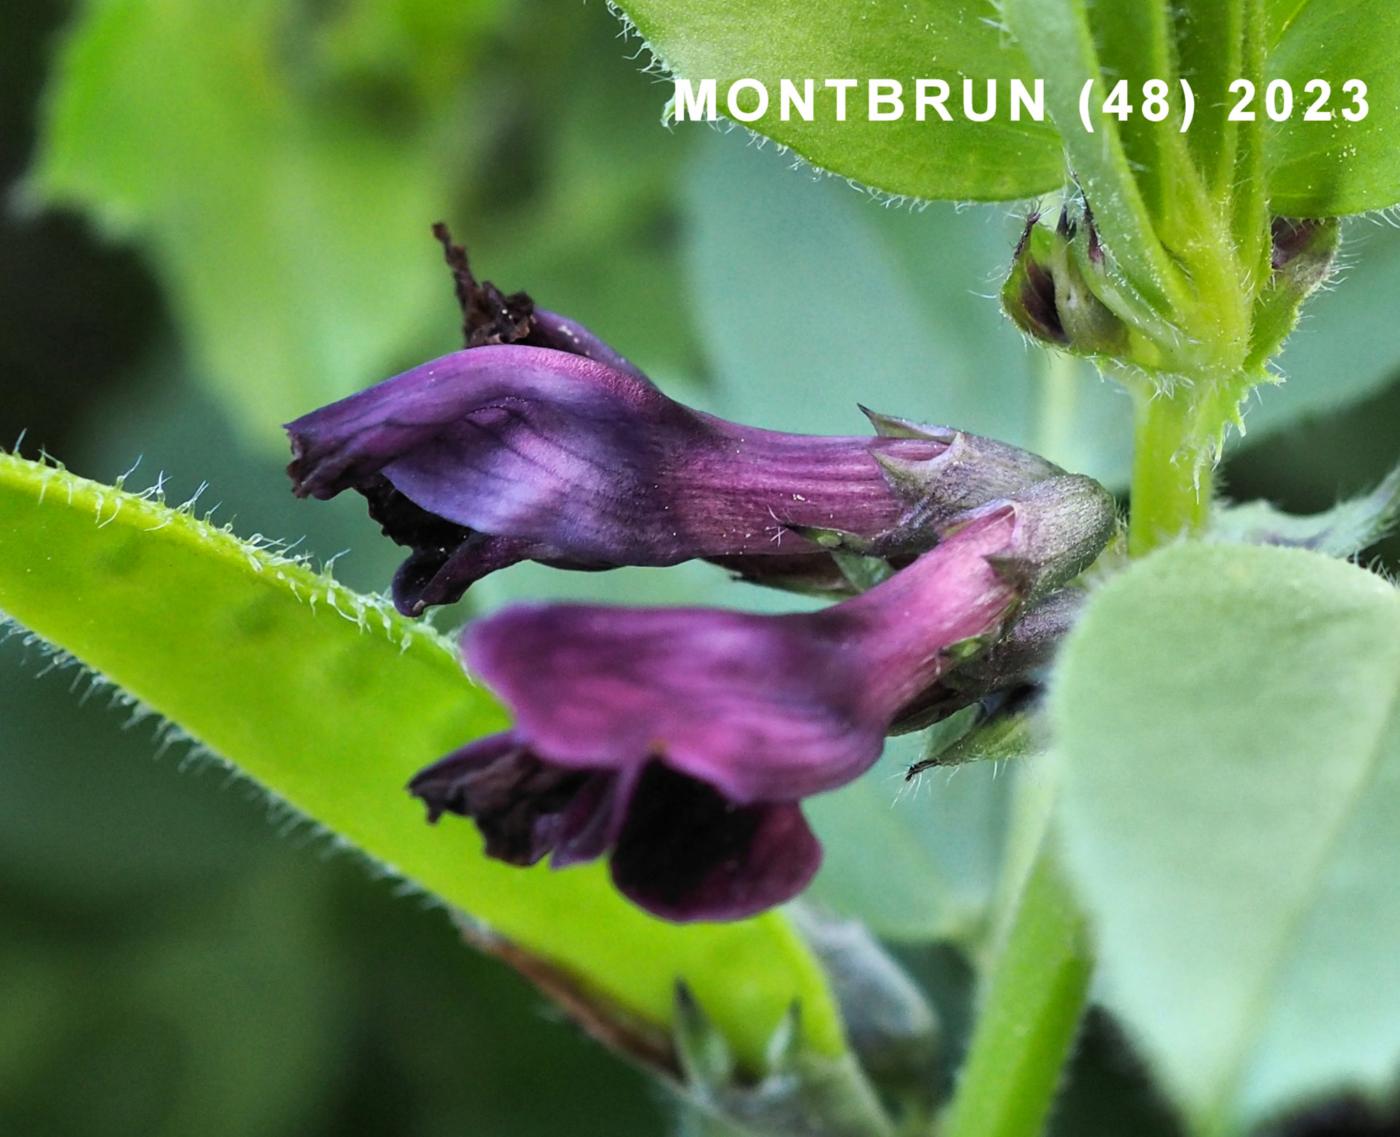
(1303, 256)
(1050, 293)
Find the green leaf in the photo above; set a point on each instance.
(1326, 169)
(811, 299)
(1229, 723)
(956, 39)
(331, 701)
(281, 174)
(1348, 528)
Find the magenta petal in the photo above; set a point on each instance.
(563, 334)
(763, 708)
(687, 853)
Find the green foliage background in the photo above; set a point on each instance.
(241, 195)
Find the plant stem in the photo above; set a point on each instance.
(1171, 489)
(1029, 1015)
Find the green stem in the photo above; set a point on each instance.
(1029, 1016)
(1171, 489)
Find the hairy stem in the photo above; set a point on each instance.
(1029, 1015)
(1171, 488)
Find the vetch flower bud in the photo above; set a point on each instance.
(1304, 249)
(1302, 255)
(1049, 293)
(508, 452)
(682, 740)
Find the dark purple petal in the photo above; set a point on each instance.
(442, 786)
(680, 848)
(572, 462)
(464, 396)
(563, 334)
(589, 826)
(599, 466)
(519, 803)
(440, 575)
(685, 852)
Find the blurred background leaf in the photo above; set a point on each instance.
(276, 173)
(812, 298)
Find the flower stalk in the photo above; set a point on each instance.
(1171, 486)
(1030, 1015)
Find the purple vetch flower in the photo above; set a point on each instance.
(510, 452)
(682, 740)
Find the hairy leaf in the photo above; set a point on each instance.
(1229, 717)
(1348, 528)
(957, 40)
(1334, 167)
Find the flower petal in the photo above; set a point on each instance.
(585, 464)
(469, 395)
(685, 852)
(773, 708)
(762, 707)
(437, 575)
(519, 802)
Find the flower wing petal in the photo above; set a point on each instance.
(685, 852)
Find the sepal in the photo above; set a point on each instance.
(996, 738)
(1062, 525)
(801, 1094)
